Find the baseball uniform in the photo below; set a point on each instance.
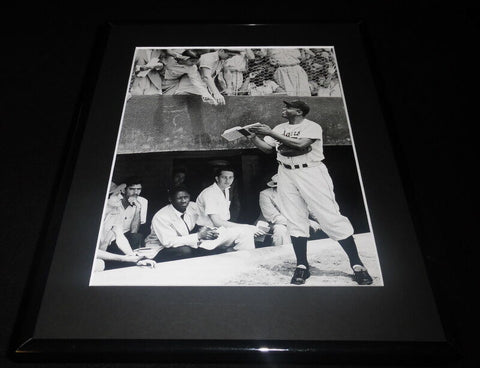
(304, 185)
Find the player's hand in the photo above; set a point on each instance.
(134, 258)
(314, 225)
(262, 129)
(147, 262)
(210, 100)
(219, 98)
(134, 202)
(206, 233)
(256, 231)
(280, 220)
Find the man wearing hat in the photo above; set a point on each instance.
(305, 187)
(270, 211)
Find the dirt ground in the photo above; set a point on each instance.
(269, 266)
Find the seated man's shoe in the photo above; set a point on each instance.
(300, 275)
(361, 275)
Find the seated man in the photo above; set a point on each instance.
(114, 249)
(135, 211)
(270, 212)
(175, 234)
(214, 204)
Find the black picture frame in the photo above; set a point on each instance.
(64, 319)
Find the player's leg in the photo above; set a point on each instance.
(317, 189)
(237, 238)
(294, 208)
(361, 274)
(280, 235)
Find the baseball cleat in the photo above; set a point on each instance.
(361, 275)
(300, 275)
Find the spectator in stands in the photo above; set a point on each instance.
(181, 75)
(175, 232)
(289, 74)
(147, 78)
(211, 67)
(114, 249)
(233, 70)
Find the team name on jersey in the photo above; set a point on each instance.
(293, 134)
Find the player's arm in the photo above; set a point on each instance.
(269, 211)
(261, 144)
(206, 74)
(107, 256)
(297, 143)
(218, 221)
(122, 242)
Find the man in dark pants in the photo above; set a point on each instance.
(175, 233)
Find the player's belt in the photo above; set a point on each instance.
(291, 167)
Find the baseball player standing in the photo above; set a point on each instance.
(305, 186)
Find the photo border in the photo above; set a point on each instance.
(424, 341)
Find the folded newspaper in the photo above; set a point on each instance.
(238, 132)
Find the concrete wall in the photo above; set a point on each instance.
(183, 123)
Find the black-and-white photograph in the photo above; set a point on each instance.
(235, 167)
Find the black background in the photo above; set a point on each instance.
(422, 55)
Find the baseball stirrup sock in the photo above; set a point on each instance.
(350, 248)
(300, 249)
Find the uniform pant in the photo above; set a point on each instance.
(310, 190)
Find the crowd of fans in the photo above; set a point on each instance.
(215, 73)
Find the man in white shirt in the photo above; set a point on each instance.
(214, 204)
(114, 249)
(211, 66)
(135, 211)
(176, 231)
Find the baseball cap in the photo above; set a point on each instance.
(273, 183)
(297, 104)
(114, 188)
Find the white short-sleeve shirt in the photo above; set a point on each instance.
(211, 61)
(212, 201)
(130, 212)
